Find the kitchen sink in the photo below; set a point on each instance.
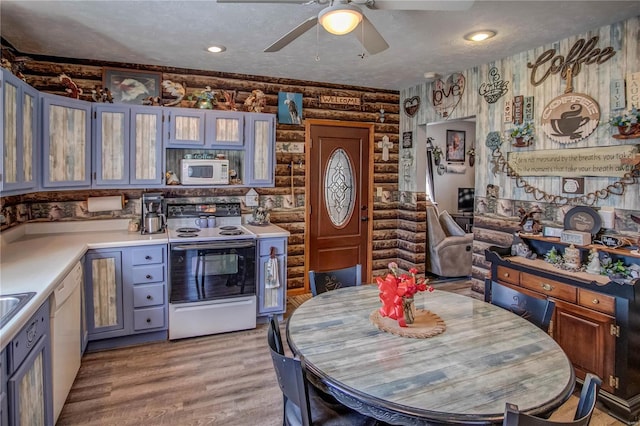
(10, 304)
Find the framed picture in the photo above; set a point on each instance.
(455, 146)
(289, 108)
(130, 86)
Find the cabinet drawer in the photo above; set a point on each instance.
(508, 275)
(597, 301)
(146, 318)
(147, 255)
(148, 295)
(265, 247)
(548, 287)
(148, 274)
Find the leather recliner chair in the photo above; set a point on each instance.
(449, 248)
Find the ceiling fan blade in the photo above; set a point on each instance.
(373, 41)
(264, 1)
(417, 4)
(293, 34)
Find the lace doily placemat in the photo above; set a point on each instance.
(426, 324)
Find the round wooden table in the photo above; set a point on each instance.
(487, 356)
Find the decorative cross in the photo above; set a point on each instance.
(385, 144)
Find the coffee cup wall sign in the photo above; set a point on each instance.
(447, 95)
(411, 106)
(570, 118)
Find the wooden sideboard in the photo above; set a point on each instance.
(596, 322)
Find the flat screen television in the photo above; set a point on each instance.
(465, 200)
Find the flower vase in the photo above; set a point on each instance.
(520, 141)
(409, 309)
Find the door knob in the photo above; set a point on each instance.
(364, 218)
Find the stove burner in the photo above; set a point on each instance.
(188, 230)
(229, 228)
(234, 231)
(189, 234)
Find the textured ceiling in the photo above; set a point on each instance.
(176, 33)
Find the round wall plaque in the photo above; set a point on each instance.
(584, 219)
(570, 117)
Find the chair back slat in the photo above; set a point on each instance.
(330, 280)
(534, 309)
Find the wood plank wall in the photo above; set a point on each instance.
(490, 225)
(42, 73)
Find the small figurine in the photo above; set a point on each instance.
(530, 222)
(593, 267)
(172, 179)
(553, 257)
(571, 258)
(256, 101)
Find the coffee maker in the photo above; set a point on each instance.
(153, 218)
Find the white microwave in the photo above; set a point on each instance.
(204, 172)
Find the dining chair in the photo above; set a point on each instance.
(584, 410)
(534, 309)
(330, 280)
(303, 404)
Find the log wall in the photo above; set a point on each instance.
(42, 73)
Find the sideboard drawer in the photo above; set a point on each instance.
(597, 301)
(549, 287)
(508, 275)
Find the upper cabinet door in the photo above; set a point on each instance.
(146, 146)
(66, 142)
(20, 129)
(261, 149)
(111, 144)
(225, 129)
(184, 127)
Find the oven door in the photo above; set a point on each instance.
(212, 270)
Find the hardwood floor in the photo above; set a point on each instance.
(225, 379)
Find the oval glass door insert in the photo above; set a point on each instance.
(339, 188)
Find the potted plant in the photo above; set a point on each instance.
(437, 155)
(628, 122)
(523, 134)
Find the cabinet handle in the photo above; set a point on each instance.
(148, 297)
(595, 301)
(547, 287)
(148, 320)
(147, 257)
(506, 275)
(149, 277)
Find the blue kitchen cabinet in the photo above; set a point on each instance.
(104, 294)
(29, 387)
(184, 128)
(206, 129)
(20, 124)
(126, 293)
(127, 146)
(66, 143)
(271, 294)
(4, 399)
(260, 155)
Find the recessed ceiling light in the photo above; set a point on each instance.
(216, 49)
(480, 35)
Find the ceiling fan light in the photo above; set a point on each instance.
(340, 19)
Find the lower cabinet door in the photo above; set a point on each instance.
(30, 389)
(586, 337)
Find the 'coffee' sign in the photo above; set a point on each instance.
(580, 53)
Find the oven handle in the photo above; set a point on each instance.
(214, 246)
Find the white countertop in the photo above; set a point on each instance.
(35, 257)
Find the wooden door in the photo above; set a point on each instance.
(338, 195)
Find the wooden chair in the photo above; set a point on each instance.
(303, 404)
(330, 280)
(512, 417)
(536, 310)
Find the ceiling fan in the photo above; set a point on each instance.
(343, 16)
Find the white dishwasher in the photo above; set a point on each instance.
(66, 348)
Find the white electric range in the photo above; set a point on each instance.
(212, 274)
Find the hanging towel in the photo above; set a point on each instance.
(272, 280)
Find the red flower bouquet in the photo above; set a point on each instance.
(396, 294)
